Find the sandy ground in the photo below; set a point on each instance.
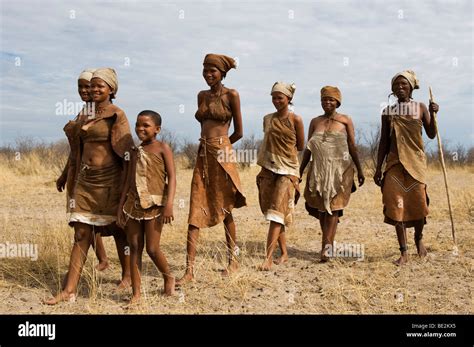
(32, 211)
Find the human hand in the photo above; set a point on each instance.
(434, 107)
(167, 215)
(61, 183)
(378, 177)
(360, 178)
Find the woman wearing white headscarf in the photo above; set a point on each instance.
(100, 145)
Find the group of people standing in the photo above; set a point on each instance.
(127, 191)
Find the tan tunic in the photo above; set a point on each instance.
(403, 187)
(148, 188)
(330, 178)
(278, 181)
(278, 152)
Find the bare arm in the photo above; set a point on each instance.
(125, 184)
(236, 116)
(200, 97)
(299, 126)
(427, 118)
(61, 181)
(66, 167)
(171, 173)
(305, 161)
(307, 152)
(384, 146)
(353, 150)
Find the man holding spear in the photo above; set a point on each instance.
(401, 148)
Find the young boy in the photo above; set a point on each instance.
(147, 200)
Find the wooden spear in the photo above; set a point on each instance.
(441, 159)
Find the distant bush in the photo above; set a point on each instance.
(249, 146)
(30, 156)
(170, 139)
(454, 155)
(189, 152)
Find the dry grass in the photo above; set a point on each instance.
(32, 211)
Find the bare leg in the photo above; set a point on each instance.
(329, 233)
(94, 236)
(282, 243)
(193, 235)
(402, 241)
(322, 221)
(99, 248)
(326, 237)
(82, 242)
(332, 226)
(322, 218)
(231, 239)
(123, 251)
(153, 235)
(420, 247)
(272, 240)
(136, 242)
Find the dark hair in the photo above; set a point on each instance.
(155, 116)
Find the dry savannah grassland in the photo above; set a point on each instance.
(33, 212)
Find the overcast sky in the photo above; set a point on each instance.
(157, 50)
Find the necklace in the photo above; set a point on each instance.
(149, 142)
(99, 110)
(328, 125)
(218, 94)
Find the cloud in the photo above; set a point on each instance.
(157, 50)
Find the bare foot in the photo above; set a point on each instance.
(63, 296)
(102, 265)
(324, 258)
(233, 267)
(125, 283)
(170, 284)
(422, 252)
(325, 254)
(135, 300)
(283, 259)
(266, 266)
(401, 261)
(188, 277)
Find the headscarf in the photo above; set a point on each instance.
(282, 87)
(222, 62)
(109, 76)
(410, 76)
(333, 92)
(86, 74)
